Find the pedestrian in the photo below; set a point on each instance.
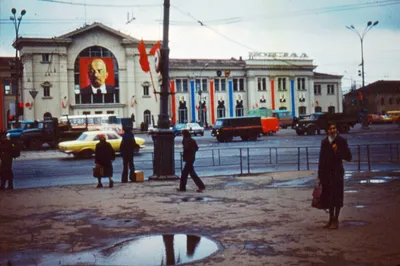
(104, 156)
(189, 155)
(334, 149)
(6, 160)
(127, 150)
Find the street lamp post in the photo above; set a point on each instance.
(369, 26)
(17, 21)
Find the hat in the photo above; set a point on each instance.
(101, 136)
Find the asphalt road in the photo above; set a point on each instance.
(283, 151)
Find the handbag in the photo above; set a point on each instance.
(316, 201)
(98, 171)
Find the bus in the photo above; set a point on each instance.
(92, 122)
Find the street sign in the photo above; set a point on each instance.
(33, 93)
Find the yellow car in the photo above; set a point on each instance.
(85, 144)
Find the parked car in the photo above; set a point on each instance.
(85, 144)
(177, 128)
(195, 129)
(15, 131)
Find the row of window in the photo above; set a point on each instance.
(330, 89)
(362, 102)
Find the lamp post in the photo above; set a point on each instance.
(200, 91)
(163, 137)
(17, 21)
(369, 26)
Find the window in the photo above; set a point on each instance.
(45, 59)
(390, 101)
(7, 89)
(112, 136)
(331, 89)
(302, 110)
(382, 101)
(46, 88)
(235, 84)
(317, 89)
(241, 84)
(217, 84)
(146, 86)
(301, 84)
(204, 85)
(262, 84)
(223, 84)
(331, 109)
(147, 117)
(98, 112)
(185, 85)
(178, 85)
(282, 84)
(110, 112)
(318, 109)
(86, 112)
(282, 108)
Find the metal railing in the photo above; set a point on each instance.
(251, 160)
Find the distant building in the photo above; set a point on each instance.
(7, 90)
(375, 98)
(202, 89)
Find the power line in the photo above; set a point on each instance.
(97, 5)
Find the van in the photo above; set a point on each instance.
(270, 125)
(247, 128)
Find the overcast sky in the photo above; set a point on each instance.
(233, 28)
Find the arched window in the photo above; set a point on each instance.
(96, 76)
(302, 110)
(318, 109)
(47, 115)
(331, 109)
(147, 117)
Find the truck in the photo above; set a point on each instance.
(15, 131)
(247, 128)
(50, 132)
(317, 122)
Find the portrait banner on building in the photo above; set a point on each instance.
(96, 73)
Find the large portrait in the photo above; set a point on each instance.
(96, 75)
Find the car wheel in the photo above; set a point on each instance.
(244, 138)
(35, 144)
(86, 154)
(202, 134)
(220, 139)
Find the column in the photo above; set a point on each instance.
(173, 101)
(293, 98)
(212, 102)
(193, 100)
(230, 95)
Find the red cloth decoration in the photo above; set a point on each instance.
(156, 47)
(144, 61)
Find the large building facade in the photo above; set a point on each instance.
(57, 72)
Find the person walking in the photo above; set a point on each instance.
(104, 156)
(334, 149)
(127, 150)
(189, 155)
(6, 157)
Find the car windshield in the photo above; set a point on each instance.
(193, 125)
(179, 126)
(82, 137)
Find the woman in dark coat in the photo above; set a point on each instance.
(334, 150)
(104, 156)
(6, 157)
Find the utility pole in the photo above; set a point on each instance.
(163, 137)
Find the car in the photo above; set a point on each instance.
(177, 128)
(195, 129)
(15, 131)
(85, 144)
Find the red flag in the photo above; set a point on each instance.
(361, 95)
(144, 61)
(155, 48)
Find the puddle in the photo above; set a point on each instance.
(351, 191)
(239, 184)
(170, 249)
(373, 181)
(113, 223)
(354, 223)
(300, 182)
(199, 199)
(360, 206)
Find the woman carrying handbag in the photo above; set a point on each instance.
(104, 156)
(334, 150)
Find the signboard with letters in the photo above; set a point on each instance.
(276, 55)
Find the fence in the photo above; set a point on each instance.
(246, 160)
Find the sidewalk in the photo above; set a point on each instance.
(252, 223)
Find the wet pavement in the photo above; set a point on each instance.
(238, 220)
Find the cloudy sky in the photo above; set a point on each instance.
(233, 28)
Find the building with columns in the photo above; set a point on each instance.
(57, 70)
